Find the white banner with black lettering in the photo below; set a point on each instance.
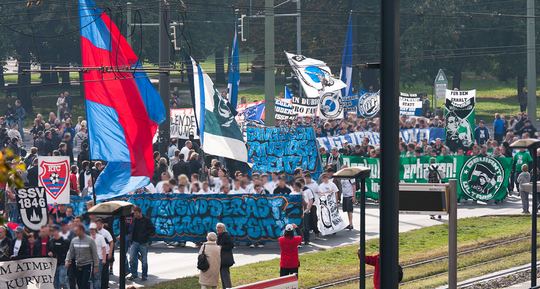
(410, 104)
(183, 123)
(31, 273)
(330, 220)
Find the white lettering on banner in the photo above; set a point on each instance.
(352, 138)
(330, 220)
(183, 123)
(410, 104)
(31, 273)
(418, 170)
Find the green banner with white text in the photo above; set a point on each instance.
(479, 178)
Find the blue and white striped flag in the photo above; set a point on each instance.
(347, 60)
(234, 71)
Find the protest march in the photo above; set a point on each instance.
(207, 170)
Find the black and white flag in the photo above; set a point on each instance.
(32, 204)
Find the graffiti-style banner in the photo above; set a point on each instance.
(279, 149)
(182, 217)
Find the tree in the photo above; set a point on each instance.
(10, 168)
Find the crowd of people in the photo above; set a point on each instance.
(185, 169)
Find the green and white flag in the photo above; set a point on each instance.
(479, 178)
(219, 132)
(459, 114)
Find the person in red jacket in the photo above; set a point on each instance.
(288, 244)
(374, 261)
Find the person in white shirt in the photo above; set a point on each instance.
(307, 203)
(172, 148)
(314, 187)
(237, 188)
(327, 187)
(110, 251)
(186, 149)
(101, 246)
(205, 190)
(270, 185)
(348, 189)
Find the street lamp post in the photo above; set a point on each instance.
(532, 145)
(359, 174)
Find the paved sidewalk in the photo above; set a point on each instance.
(167, 263)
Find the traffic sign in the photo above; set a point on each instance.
(441, 84)
(441, 78)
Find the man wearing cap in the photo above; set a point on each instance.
(58, 248)
(19, 248)
(101, 247)
(83, 250)
(288, 244)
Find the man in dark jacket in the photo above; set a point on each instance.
(33, 174)
(58, 248)
(181, 167)
(19, 246)
(5, 244)
(143, 229)
(227, 259)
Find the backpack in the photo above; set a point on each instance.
(202, 261)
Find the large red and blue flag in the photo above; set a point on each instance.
(123, 108)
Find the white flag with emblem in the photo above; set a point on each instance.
(315, 76)
(218, 130)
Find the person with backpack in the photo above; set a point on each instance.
(434, 175)
(288, 244)
(209, 262)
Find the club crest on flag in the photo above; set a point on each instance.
(32, 204)
(54, 177)
(331, 105)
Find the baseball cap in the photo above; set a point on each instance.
(19, 229)
(289, 228)
(92, 226)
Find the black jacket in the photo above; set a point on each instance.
(24, 250)
(180, 168)
(59, 249)
(225, 241)
(32, 176)
(143, 229)
(5, 249)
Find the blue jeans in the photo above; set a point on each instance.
(60, 277)
(96, 277)
(134, 251)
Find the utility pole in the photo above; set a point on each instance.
(269, 64)
(531, 62)
(389, 198)
(164, 76)
(129, 16)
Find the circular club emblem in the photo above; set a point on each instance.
(330, 104)
(368, 105)
(481, 178)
